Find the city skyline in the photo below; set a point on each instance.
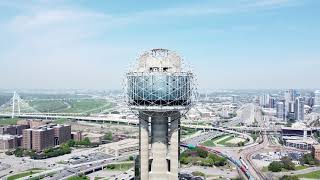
(253, 44)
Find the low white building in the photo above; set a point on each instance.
(123, 147)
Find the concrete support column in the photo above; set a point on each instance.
(174, 149)
(159, 148)
(144, 149)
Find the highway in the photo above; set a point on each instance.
(208, 128)
(104, 119)
(62, 173)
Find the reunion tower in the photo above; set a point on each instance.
(161, 91)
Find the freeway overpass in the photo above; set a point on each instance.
(118, 120)
(200, 127)
(102, 119)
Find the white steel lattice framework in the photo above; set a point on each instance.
(161, 90)
(160, 84)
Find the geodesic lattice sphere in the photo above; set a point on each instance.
(159, 83)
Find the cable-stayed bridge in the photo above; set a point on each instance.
(16, 106)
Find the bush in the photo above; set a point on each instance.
(131, 158)
(85, 142)
(275, 166)
(9, 153)
(185, 160)
(241, 143)
(71, 143)
(108, 136)
(197, 173)
(111, 166)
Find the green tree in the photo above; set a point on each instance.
(275, 166)
(19, 152)
(287, 163)
(307, 159)
(108, 136)
(202, 153)
(214, 157)
(185, 160)
(86, 141)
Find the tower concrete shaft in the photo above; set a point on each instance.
(159, 146)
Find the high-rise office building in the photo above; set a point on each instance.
(316, 106)
(289, 97)
(317, 97)
(265, 100)
(299, 109)
(280, 110)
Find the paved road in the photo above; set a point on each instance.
(202, 137)
(303, 171)
(71, 170)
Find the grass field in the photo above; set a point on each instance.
(24, 174)
(78, 178)
(8, 121)
(297, 168)
(71, 106)
(225, 141)
(49, 105)
(87, 106)
(61, 121)
(212, 142)
(209, 143)
(120, 167)
(312, 175)
(222, 140)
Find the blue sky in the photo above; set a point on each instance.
(229, 43)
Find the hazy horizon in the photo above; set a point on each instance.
(247, 44)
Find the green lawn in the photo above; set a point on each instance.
(88, 106)
(187, 132)
(265, 169)
(71, 106)
(24, 174)
(224, 141)
(297, 168)
(49, 105)
(61, 121)
(8, 121)
(120, 167)
(209, 143)
(78, 178)
(312, 175)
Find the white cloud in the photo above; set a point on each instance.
(52, 46)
